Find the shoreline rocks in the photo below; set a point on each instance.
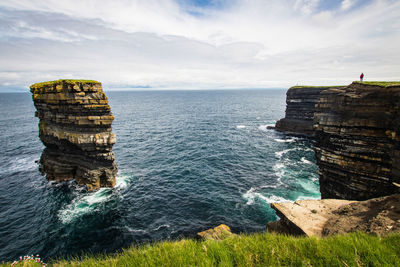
(75, 127)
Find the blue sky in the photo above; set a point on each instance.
(198, 44)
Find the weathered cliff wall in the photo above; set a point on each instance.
(358, 140)
(75, 126)
(300, 108)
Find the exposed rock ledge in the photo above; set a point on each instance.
(75, 126)
(334, 216)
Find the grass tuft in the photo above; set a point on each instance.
(264, 249)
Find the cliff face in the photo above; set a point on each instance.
(75, 126)
(358, 140)
(300, 108)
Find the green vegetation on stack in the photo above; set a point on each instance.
(37, 85)
(265, 249)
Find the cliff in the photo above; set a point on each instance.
(300, 108)
(357, 140)
(75, 126)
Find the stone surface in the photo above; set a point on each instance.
(335, 216)
(220, 232)
(304, 217)
(300, 108)
(357, 133)
(75, 126)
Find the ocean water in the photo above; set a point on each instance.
(188, 161)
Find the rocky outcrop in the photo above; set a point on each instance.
(336, 216)
(304, 217)
(300, 108)
(220, 232)
(75, 127)
(358, 140)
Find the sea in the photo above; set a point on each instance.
(187, 161)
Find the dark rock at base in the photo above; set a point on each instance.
(75, 126)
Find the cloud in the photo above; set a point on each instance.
(167, 44)
(347, 4)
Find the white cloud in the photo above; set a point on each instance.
(347, 4)
(157, 43)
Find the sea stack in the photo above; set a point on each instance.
(358, 140)
(300, 108)
(75, 126)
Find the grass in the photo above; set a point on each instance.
(264, 249)
(378, 83)
(313, 86)
(36, 85)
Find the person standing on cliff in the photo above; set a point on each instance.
(361, 77)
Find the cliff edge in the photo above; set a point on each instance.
(75, 126)
(300, 108)
(357, 132)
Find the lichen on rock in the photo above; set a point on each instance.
(75, 126)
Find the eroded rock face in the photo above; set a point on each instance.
(75, 126)
(300, 108)
(358, 141)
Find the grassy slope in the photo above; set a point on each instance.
(356, 249)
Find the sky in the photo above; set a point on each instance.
(198, 44)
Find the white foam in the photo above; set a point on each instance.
(135, 230)
(83, 204)
(240, 126)
(162, 226)
(304, 160)
(251, 195)
(291, 140)
(264, 127)
(122, 181)
(279, 154)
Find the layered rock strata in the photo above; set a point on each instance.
(300, 108)
(75, 127)
(357, 132)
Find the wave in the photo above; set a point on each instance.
(251, 195)
(264, 127)
(161, 226)
(306, 161)
(240, 126)
(291, 140)
(87, 203)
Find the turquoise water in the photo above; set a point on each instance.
(188, 161)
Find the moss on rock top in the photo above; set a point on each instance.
(68, 81)
(379, 83)
(314, 86)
